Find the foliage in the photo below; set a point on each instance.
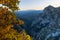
(12, 4)
(14, 35)
(8, 20)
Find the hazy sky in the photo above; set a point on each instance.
(37, 4)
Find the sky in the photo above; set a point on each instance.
(37, 4)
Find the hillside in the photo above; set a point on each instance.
(42, 25)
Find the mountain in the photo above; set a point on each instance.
(47, 26)
(41, 24)
(28, 15)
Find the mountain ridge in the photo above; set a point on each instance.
(43, 24)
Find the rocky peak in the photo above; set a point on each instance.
(49, 8)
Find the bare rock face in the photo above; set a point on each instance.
(47, 25)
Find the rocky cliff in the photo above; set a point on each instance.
(47, 25)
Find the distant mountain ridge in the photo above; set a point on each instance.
(43, 24)
(29, 15)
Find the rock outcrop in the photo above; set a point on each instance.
(47, 26)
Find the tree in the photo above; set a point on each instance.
(8, 20)
(12, 4)
(14, 35)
